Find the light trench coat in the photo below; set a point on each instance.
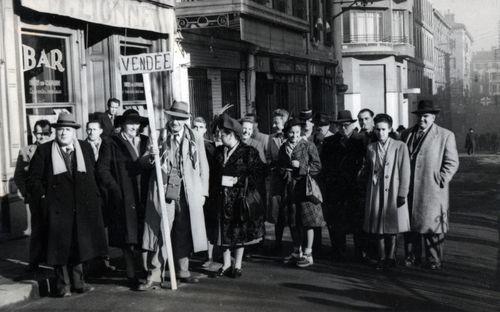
(433, 167)
(384, 216)
(195, 182)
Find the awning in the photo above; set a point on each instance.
(131, 14)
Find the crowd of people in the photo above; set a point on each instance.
(224, 179)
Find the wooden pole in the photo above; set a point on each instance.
(165, 228)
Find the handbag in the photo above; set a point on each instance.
(249, 204)
(313, 192)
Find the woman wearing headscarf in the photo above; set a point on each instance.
(238, 171)
(388, 172)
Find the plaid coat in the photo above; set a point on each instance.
(297, 210)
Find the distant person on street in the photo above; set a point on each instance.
(388, 182)
(36, 213)
(434, 162)
(257, 135)
(248, 127)
(94, 131)
(470, 142)
(306, 115)
(62, 177)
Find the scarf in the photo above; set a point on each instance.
(192, 148)
(381, 151)
(58, 164)
(289, 147)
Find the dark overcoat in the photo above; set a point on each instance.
(342, 160)
(125, 175)
(243, 163)
(298, 210)
(71, 201)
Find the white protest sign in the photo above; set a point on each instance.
(145, 63)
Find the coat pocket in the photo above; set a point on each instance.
(437, 178)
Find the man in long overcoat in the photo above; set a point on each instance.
(123, 169)
(434, 161)
(183, 160)
(62, 177)
(342, 159)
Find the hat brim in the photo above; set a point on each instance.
(62, 124)
(344, 120)
(432, 111)
(178, 114)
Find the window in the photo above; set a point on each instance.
(45, 68)
(363, 26)
(399, 28)
(133, 85)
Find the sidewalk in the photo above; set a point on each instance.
(15, 283)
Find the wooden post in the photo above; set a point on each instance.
(165, 228)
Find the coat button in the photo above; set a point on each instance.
(387, 190)
(387, 177)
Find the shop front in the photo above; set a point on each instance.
(60, 56)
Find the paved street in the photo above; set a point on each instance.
(469, 281)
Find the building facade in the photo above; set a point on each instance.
(377, 43)
(60, 55)
(257, 56)
(460, 77)
(421, 67)
(441, 89)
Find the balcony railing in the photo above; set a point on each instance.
(367, 39)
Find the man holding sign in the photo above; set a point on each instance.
(185, 175)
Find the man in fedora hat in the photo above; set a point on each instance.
(185, 175)
(62, 178)
(434, 161)
(342, 159)
(123, 170)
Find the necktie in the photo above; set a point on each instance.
(68, 159)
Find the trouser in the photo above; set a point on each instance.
(470, 150)
(433, 244)
(182, 240)
(413, 246)
(68, 276)
(386, 246)
(38, 237)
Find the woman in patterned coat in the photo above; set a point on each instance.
(236, 164)
(297, 159)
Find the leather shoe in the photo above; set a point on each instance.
(84, 289)
(64, 294)
(189, 280)
(133, 282)
(237, 273)
(147, 286)
(225, 272)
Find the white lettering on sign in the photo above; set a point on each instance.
(145, 63)
(52, 60)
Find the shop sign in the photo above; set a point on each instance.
(301, 68)
(285, 67)
(317, 69)
(44, 69)
(117, 13)
(145, 63)
(329, 71)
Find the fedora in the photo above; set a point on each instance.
(293, 122)
(322, 119)
(65, 120)
(344, 116)
(179, 109)
(426, 106)
(306, 114)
